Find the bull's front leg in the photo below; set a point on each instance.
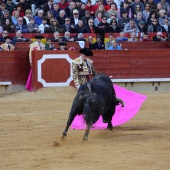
(85, 138)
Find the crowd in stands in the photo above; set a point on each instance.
(85, 16)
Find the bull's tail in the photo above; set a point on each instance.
(88, 116)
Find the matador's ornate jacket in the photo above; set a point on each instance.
(81, 70)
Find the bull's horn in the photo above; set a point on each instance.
(120, 101)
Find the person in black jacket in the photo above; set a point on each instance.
(114, 26)
(80, 28)
(99, 45)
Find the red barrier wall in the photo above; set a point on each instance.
(120, 64)
(14, 66)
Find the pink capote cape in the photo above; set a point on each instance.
(29, 81)
(133, 102)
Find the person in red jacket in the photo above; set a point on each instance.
(62, 4)
(90, 7)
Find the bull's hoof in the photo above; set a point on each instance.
(85, 139)
(63, 137)
(110, 128)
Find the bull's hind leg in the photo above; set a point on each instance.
(85, 138)
(70, 120)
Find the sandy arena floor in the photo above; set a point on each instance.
(32, 123)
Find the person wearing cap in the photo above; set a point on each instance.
(7, 46)
(142, 26)
(37, 45)
(62, 46)
(75, 17)
(82, 67)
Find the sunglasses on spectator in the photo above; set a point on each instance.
(5, 33)
(159, 35)
(76, 14)
(28, 13)
(147, 6)
(92, 22)
(67, 20)
(114, 15)
(104, 19)
(154, 21)
(20, 20)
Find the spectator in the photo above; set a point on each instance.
(90, 7)
(5, 16)
(133, 37)
(138, 9)
(166, 5)
(162, 13)
(75, 18)
(86, 17)
(67, 37)
(152, 16)
(139, 18)
(26, 18)
(146, 12)
(54, 26)
(91, 27)
(2, 9)
(154, 27)
(125, 7)
(118, 3)
(103, 26)
(56, 10)
(123, 20)
(56, 37)
(152, 5)
(166, 25)
(20, 26)
(67, 26)
(15, 16)
(108, 44)
(10, 6)
(23, 5)
(82, 10)
(4, 34)
(111, 17)
(48, 6)
(90, 40)
(113, 8)
(9, 26)
(7, 46)
(80, 28)
(80, 37)
(49, 17)
(121, 37)
(158, 8)
(49, 45)
(18, 8)
(78, 4)
(114, 26)
(70, 8)
(108, 4)
(62, 46)
(99, 45)
(32, 27)
(134, 8)
(145, 37)
(102, 10)
(42, 26)
(63, 4)
(38, 18)
(61, 17)
(20, 38)
(114, 46)
(98, 19)
(142, 27)
(159, 37)
(131, 27)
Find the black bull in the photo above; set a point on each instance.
(95, 98)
